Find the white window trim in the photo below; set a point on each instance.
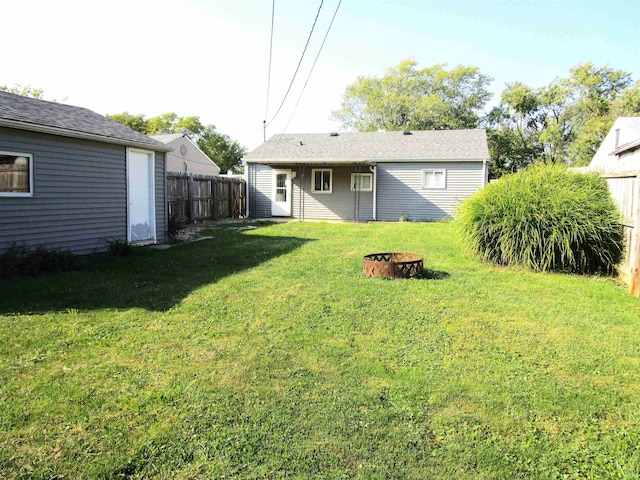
(370, 175)
(313, 180)
(21, 194)
(434, 170)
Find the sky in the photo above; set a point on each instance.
(211, 58)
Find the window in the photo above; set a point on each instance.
(434, 179)
(16, 174)
(362, 182)
(322, 180)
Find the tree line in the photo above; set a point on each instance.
(563, 122)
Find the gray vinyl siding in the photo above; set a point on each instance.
(400, 189)
(260, 190)
(340, 204)
(161, 198)
(80, 194)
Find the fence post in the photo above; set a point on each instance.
(634, 256)
(190, 198)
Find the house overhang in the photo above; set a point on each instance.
(359, 161)
(627, 147)
(82, 135)
(300, 162)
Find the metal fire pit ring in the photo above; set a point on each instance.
(393, 265)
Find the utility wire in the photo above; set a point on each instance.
(273, 14)
(312, 67)
(298, 67)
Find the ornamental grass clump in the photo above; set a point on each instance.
(546, 218)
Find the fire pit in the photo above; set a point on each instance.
(393, 265)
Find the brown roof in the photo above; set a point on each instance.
(373, 146)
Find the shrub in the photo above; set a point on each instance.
(119, 248)
(545, 218)
(19, 261)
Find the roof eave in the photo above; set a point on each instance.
(82, 135)
(625, 148)
(347, 161)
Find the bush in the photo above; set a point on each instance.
(19, 261)
(545, 218)
(119, 248)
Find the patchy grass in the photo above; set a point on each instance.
(267, 353)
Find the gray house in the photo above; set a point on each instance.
(72, 179)
(420, 175)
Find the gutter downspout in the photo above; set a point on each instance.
(374, 170)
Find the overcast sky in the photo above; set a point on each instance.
(210, 58)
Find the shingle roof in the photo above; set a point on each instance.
(66, 120)
(363, 146)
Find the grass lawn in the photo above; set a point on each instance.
(267, 353)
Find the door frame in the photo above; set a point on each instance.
(152, 194)
(288, 185)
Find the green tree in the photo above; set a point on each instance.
(224, 151)
(135, 122)
(407, 97)
(627, 104)
(514, 129)
(563, 122)
(24, 90)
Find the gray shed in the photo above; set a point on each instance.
(70, 178)
(419, 175)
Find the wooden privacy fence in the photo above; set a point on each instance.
(14, 177)
(625, 190)
(194, 198)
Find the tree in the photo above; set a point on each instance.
(135, 122)
(627, 104)
(28, 91)
(220, 148)
(171, 123)
(415, 99)
(224, 151)
(563, 122)
(24, 90)
(514, 130)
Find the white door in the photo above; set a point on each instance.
(281, 194)
(141, 196)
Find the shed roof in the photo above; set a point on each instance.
(58, 119)
(454, 145)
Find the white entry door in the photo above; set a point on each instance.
(141, 196)
(281, 194)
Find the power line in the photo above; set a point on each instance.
(273, 14)
(298, 67)
(312, 66)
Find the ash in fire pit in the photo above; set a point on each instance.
(393, 265)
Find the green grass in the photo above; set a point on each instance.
(266, 353)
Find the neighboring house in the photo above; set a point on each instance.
(72, 179)
(619, 151)
(420, 175)
(186, 157)
(618, 162)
